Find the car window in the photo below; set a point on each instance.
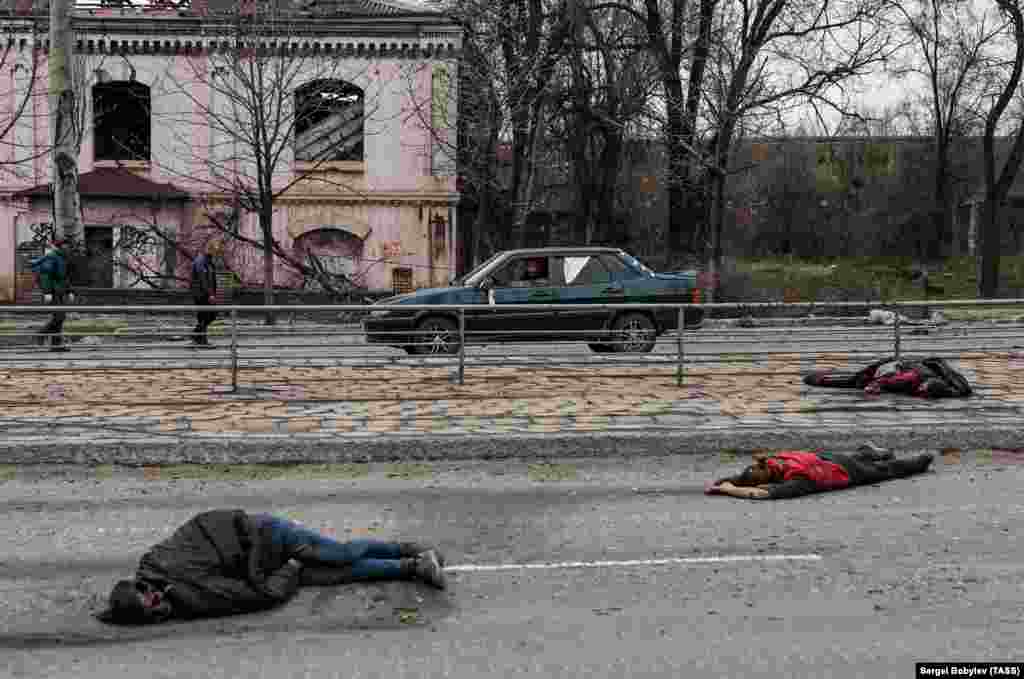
(614, 264)
(524, 272)
(584, 270)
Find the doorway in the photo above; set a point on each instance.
(99, 248)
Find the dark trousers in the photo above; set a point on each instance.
(53, 331)
(868, 468)
(203, 321)
(363, 559)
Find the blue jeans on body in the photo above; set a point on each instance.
(367, 558)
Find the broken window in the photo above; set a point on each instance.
(401, 280)
(121, 121)
(328, 121)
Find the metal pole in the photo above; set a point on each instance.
(896, 333)
(234, 350)
(680, 325)
(462, 346)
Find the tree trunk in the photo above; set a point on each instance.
(608, 188)
(266, 226)
(943, 215)
(67, 211)
(988, 253)
(678, 180)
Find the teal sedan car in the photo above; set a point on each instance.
(542, 276)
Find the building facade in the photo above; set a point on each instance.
(347, 111)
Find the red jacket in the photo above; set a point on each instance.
(797, 464)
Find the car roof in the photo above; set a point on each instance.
(585, 249)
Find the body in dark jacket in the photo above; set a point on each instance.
(226, 562)
(929, 377)
(795, 473)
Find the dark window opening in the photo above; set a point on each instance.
(121, 121)
(401, 280)
(328, 121)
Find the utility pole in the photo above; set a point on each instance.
(67, 213)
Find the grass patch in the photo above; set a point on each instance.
(1009, 313)
(551, 472)
(808, 279)
(408, 616)
(81, 327)
(409, 470)
(254, 472)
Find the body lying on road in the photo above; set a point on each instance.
(225, 562)
(928, 378)
(795, 472)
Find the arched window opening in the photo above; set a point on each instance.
(330, 252)
(328, 121)
(121, 121)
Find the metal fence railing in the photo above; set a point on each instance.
(470, 337)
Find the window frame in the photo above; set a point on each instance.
(103, 135)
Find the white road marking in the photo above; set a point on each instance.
(683, 560)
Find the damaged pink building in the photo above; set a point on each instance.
(361, 136)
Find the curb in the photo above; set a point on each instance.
(321, 450)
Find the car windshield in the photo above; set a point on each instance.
(635, 263)
(470, 278)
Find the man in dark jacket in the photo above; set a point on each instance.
(204, 291)
(55, 282)
(928, 378)
(226, 562)
(793, 473)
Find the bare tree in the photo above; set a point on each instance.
(679, 37)
(20, 57)
(772, 56)
(997, 186)
(949, 52)
(608, 96)
(271, 100)
(507, 90)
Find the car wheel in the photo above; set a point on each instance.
(599, 348)
(634, 334)
(435, 336)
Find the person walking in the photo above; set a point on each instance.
(227, 562)
(55, 282)
(204, 292)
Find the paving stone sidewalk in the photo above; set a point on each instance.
(331, 402)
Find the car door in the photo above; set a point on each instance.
(587, 281)
(512, 284)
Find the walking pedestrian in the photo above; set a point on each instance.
(55, 282)
(795, 472)
(204, 291)
(227, 562)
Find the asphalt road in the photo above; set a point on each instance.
(322, 345)
(921, 569)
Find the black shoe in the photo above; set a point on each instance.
(429, 570)
(416, 549)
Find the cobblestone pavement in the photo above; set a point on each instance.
(309, 402)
